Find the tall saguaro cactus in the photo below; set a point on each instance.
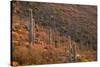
(50, 36)
(72, 50)
(31, 28)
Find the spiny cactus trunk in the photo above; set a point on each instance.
(31, 29)
(72, 51)
(50, 36)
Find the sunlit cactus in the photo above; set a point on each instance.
(31, 28)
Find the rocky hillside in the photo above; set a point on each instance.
(55, 26)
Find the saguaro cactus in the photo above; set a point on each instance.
(31, 28)
(50, 36)
(72, 50)
(70, 47)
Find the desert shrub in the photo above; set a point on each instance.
(82, 60)
(15, 36)
(14, 63)
(37, 54)
(21, 55)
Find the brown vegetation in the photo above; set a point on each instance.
(63, 33)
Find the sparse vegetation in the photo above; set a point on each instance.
(63, 33)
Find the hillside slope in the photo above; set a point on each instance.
(54, 24)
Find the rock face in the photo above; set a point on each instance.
(54, 23)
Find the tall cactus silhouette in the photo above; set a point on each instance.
(50, 36)
(31, 28)
(72, 50)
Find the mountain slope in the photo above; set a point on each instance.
(77, 21)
